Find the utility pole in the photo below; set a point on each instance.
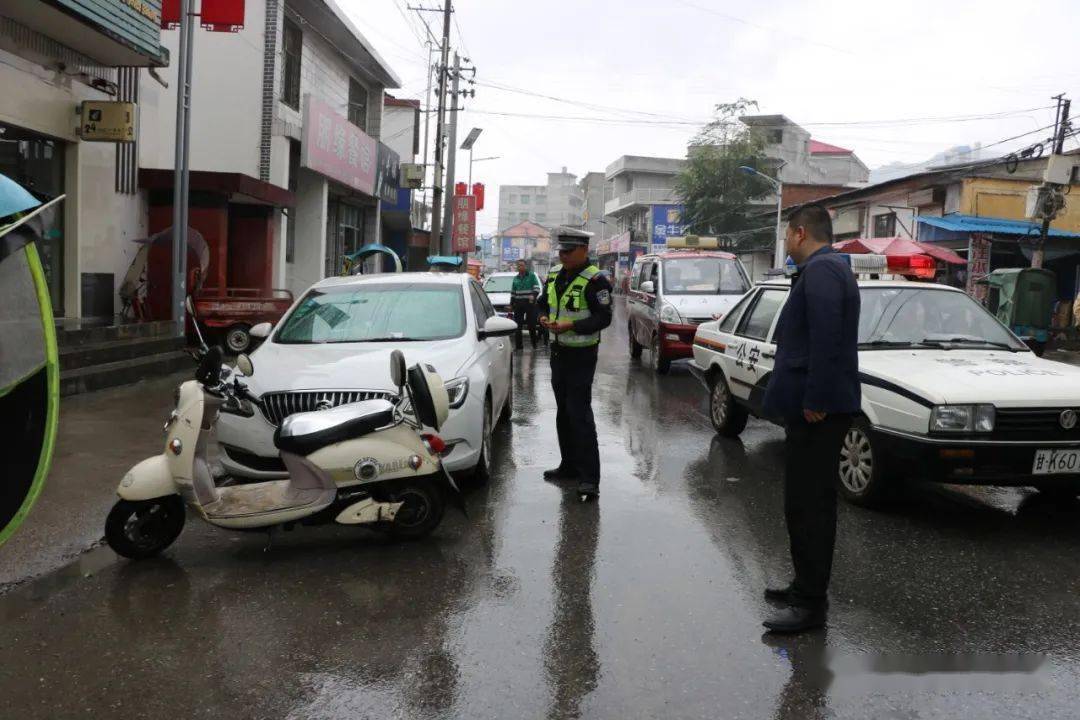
(427, 120)
(436, 203)
(451, 146)
(180, 163)
(1061, 129)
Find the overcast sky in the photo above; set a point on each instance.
(639, 77)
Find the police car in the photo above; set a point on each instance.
(949, 394)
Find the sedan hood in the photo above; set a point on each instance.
(702, 306)
(955, 377)
(499, 298)
(342, 366)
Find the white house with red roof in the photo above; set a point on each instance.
(804, 160)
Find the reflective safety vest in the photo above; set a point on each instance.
(572, 306)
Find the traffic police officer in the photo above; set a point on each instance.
(575, 306)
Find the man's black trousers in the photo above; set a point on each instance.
(811, 470)
(572, 371)
(524, 313)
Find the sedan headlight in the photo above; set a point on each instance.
(962, 418)
(457, 390)
(669, 314)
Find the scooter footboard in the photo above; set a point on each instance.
(147, 480)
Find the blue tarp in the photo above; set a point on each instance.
(956, 226)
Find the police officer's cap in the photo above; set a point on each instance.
(571, 238)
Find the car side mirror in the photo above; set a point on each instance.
(498, 327)
(244, 364)
(648, 287)
(261, 331)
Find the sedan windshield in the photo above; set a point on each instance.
(918, 317)
(703, 276)
(376, 312)
(499, 283)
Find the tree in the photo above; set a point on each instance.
(716, 194)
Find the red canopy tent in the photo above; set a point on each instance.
(898, 246)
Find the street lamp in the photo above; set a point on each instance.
(471, 161)
(778, 249)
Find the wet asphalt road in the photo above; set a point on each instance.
(646, 604)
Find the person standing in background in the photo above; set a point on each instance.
(523, 295)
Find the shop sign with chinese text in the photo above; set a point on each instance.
(464, 233)
(334, 147)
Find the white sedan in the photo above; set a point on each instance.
(332, 348)
(949, 394)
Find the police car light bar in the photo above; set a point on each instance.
(868, 264)
(680, 242)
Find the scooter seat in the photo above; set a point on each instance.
(304, 433)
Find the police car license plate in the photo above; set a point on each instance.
(1056, 462)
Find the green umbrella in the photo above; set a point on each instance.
(29, 365)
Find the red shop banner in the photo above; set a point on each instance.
(464, 232)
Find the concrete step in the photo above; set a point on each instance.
(72, 333)
(85, 355)
(123, 372)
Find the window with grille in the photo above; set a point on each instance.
(291, 50)
(885, 225)
(358, 102)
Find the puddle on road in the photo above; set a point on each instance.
(35, 592)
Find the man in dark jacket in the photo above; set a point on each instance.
(814, 388)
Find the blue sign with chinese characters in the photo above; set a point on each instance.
(666, 221)
(509, 252)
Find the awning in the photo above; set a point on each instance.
(964, 224)
(234, 186)
(898, 246)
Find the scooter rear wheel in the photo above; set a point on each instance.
(142, 529)
(422, 511)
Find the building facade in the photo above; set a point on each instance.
(560, 202)
(289, 174)
(53, 56)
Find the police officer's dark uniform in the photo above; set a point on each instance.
(583, 297)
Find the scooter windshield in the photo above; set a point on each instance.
(29, 374)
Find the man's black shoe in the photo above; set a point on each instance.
(588, 490)
(559, 473)
(794, 619)
(784, 594)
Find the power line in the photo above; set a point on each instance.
(412, 28)
(461, 36)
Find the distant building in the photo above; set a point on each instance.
(560, 202)
(593, 188)
(803, 160)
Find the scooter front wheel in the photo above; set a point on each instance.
(142, 529)
(422, 509)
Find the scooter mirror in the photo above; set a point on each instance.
(209, 370)
(243, 363)
(397, 369)
(189, 305)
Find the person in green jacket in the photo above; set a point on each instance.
(523, 293)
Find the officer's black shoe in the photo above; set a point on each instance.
(560, 473)
(784, 594)
(795, 619)
(588, 490)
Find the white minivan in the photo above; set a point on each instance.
(674, 291)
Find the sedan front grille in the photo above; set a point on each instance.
(1032, 424)
(280, 405)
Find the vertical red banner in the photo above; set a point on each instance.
(170, 14)
(222, 15)
(463, 235)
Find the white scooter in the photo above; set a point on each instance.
(365, 463)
